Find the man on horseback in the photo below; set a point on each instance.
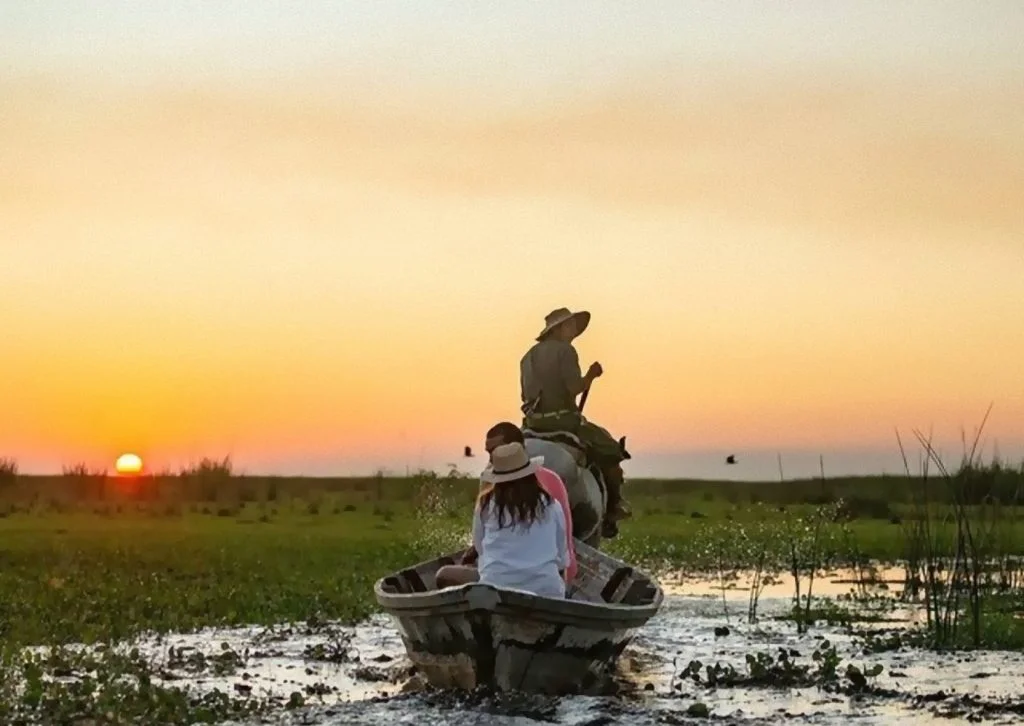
(550, 380)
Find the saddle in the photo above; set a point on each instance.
(571, 443)
(567, 440)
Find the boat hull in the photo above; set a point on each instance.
(478, 635)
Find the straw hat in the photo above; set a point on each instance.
(509, 462)
(561, 315)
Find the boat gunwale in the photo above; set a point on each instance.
(515, 603)
(512, 603)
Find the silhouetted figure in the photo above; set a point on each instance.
(730, 459)
(550, 379)
(468, 452)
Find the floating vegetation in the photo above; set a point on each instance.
(108, 599)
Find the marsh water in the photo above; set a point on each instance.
(360, 675)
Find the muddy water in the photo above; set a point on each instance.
(360, 675)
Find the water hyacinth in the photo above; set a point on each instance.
(311, 552)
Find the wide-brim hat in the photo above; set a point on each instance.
(510, 462)
(488, 472)
(562, 315)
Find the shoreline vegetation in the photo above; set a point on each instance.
(95, 559)
(214, 481)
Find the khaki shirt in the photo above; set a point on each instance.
(550, 371)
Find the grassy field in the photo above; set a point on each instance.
(94, 559)
(102, 559)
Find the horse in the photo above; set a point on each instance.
(588, 497)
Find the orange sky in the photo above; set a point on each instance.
(304, 277)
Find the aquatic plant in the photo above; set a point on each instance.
(336, 649)
(762, 559)
(107, 686)
(107, 571)
(808, 543)
(961, 543)
(781, 670)
(722, 557)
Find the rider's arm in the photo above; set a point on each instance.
(573, 378)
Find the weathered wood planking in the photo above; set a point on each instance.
(478, 635)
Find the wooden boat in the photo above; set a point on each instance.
(478, 635)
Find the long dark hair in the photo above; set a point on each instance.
(522, 500)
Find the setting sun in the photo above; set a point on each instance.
(128, 464)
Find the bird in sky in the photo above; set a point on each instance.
(730, 459)
(468, 453)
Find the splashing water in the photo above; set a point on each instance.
(442, 519)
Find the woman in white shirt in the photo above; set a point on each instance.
(518, 530)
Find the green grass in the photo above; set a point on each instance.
(94, 560)
(75, 577)
(83, 576)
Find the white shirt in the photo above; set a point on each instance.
(523, 557)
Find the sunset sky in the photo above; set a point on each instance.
(319, 236)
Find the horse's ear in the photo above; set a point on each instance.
(622, 446)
